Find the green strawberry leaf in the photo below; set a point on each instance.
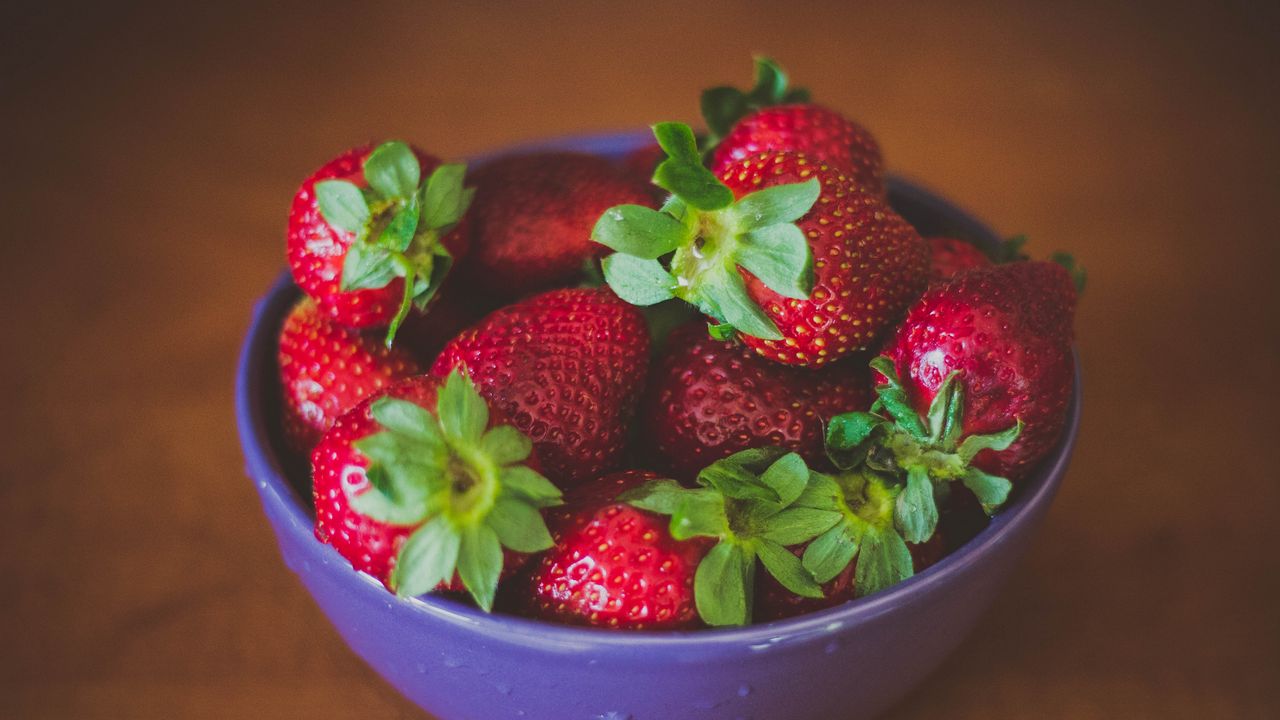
(393, 170)
(379, 505)
(677, 141)
(480, 564)
(696, 185)
(780, 256)
(519, 525)
(916, 513)
(820, 493)
(1078, 275)
(892, 396)
(798, 525)
(407, 418)
(830, 553)
(700, 513)
(505, 445)
(444, 199)
(975, 444)
(787, 477)
(991, 490)
(787, 569)
(639, 231)
(638, 281)
(722, 107)
(940, 413)
(721, 331)
(721, 585)
(848, 436)
(727, 293)
(463, 414)
(776, 204)
(426, 560)
(771, 83)
(530, 486)
(734, 481)
(659, 496)
(368, 266)
(398, 235)
(430, 276)
(883, 561)
(342, 205)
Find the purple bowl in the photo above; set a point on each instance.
(851, 661)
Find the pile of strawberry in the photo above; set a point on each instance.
(720, 382)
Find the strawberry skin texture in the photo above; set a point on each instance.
(530, 223)
(369, 545)
(326, 369)
(869, 264)
(821, 134)
(1007, 328)
(614, 565)
(949, 257)
(317, 250)
(708, 399)
(567, 368)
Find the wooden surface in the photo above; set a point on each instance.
(150, 156)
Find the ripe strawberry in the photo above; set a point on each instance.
(709, 398)
(615, 565)
(792, 254)
(531, 221)
(424, 489)
(949, 257)
(567, 368)
(369, 233)
(771, 118)
(326, 368)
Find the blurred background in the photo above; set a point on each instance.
(150, 151)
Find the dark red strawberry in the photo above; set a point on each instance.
(368, 221)
(615, 565)
(793, 255)
(453, 310)
(949, 257)
(531, 221)
(772, 118)
(424, 489)
(708, 399)
(567, 368)
(326, 368)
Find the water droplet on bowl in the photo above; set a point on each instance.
(614, 715)
(452, 663)
(744, 690)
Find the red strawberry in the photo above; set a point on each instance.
(325, 369)
(709, 398)
(771, 118)
(425, 334)
(567, 368)
(1007, 331)
(822, 135)
(424, 489)
(949, 257)
(615, 565)
(792, 254)
(531, 221)
(369, 219)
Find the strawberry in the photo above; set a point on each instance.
(771, 118)
(709, 398)
(791, 254)
(326, 369)
(369, 233)
(974, 388)
(531, 221)
(949, 257)
(424, 489)
(615, 565)
(567, 368)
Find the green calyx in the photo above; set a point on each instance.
(693, 247)
(919, 456)
(462, 483)
(1076, 270)
(398, 221)
(749, 503)
(724, 106)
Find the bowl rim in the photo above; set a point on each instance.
(267, 472)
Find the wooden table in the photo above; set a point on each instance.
(150, 155)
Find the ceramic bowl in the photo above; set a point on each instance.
(456, 662)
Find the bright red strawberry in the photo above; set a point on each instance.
(949, 257)
(326, 368)
(772, 118)
(1007, 331)
(531, 221)
(368, 220)
(615, 565)
(822, 135)
(424, 489)
(567, 368)
(793, 255)
(708, 399)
